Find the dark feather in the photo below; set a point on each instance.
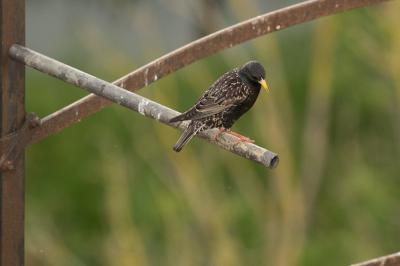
(187, 135)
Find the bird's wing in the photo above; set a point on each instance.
(222, 95)
(212, 105)
(204, 108)
(218, 98)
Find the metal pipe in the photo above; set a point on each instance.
(136, 102)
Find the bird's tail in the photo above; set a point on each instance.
(180, 117)
(187, 135)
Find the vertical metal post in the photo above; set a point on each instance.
(12, 115)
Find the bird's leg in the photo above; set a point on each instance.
(228, 130)
(220, 131)
(241, 137)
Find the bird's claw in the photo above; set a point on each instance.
(246, 139)
(239, 136)
(243, 139)
(220, 131)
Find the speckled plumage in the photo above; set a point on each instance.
(232, 95)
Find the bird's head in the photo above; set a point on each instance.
(254, 73)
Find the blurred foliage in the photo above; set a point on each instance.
(110, 190)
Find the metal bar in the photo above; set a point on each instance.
(136, 102)
(12, 114)
(194, 51)
(389, 260)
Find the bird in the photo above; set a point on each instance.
(224, 102)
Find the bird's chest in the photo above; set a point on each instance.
(231, 115)
(250, 99)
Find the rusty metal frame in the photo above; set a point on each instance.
(12, 115)
(389, 260)
(194, 51)
(18, 131)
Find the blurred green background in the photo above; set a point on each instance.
(110, 190)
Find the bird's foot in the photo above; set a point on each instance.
(220, 131)
(241, 137)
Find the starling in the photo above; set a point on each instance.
(232, 95)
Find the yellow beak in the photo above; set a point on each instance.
(264, 84)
